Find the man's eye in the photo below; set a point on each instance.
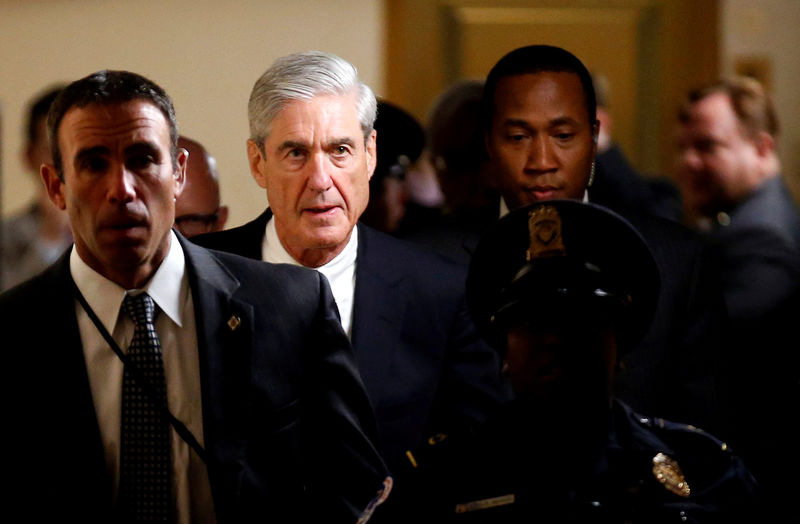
(341, 150)
(564, 136)
(516, 137)
(96, 165)
(705, 146)
(294, 153)
(140, 162)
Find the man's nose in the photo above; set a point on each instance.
(319, 178)
(689, 159)
(121, 184)
(541, 157)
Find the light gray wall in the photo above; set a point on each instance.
(207, 54)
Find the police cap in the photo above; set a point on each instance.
(562, 260)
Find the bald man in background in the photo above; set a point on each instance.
(198, 208)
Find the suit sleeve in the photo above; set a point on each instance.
(346, 475)
(471, 387)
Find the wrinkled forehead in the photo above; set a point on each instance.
(114, 123)
(318, 117)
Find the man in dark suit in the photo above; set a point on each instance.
(729, 173)
(313, 149)
(541, 137)
(236, 397)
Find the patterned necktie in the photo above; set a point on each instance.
(145, 465)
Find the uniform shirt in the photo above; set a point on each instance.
(175, 325)
(340, 272)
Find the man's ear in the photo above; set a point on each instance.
(180, 173)
(372, 152)
(487, 144)
(256, 160)
(54, 185)
(765, 143)
(222, 217)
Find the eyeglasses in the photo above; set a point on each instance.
(196, 224)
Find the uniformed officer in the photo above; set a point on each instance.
(562, 289)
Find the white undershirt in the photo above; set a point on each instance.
(175, 325)
(340, 272)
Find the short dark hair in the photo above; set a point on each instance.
(537, 59)
(37, 110)
(750, 101)
(104, 88)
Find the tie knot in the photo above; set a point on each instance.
(140, 308)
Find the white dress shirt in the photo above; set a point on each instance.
(340, 272)
(169, 289)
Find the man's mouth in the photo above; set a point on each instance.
(321, 210)
(126, 225)
(543, 192)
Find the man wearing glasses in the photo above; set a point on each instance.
(198, 209)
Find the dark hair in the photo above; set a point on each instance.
(537, 59)
(455, 130)
(37, 110)
(105, 88)
(401, 140)
(749, 99)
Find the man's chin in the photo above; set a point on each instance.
(329, 237)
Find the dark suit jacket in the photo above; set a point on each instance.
(424, 367)
(285, 416)
(675, 372)
(759, 247)
(618, 185)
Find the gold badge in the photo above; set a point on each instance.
(234, 322)
(485, 504)
(544, 226)
(670, 475)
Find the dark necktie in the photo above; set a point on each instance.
(145, 465)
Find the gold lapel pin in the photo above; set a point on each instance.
(234, 322)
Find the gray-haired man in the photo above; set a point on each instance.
(312, 148)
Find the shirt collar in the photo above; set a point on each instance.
(168, 287)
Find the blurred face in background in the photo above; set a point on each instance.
(718, 163)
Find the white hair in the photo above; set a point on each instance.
(302, 76)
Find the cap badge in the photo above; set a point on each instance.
(544, 226)
(670, 475)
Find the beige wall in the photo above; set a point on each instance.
(765, 32)
(207, 55)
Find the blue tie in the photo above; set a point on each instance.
(145, 488)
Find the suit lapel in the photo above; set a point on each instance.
(378, 308)
(70, 402)
(224, 339)
(253, 233)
